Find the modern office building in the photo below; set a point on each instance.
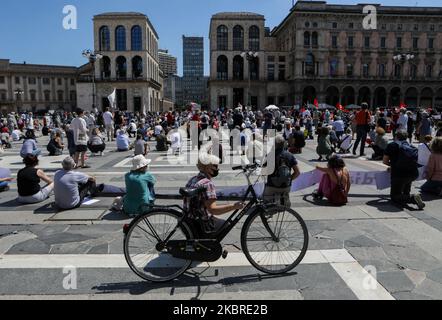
(323, 51)
(194, 82)
(168, 63)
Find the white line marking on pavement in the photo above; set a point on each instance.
(355, 277)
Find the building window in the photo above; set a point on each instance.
(270, 100)
(32, 80)
(397, 70)
(46, 81)
(271, 72)
(254, 38)
(399, 42)
(3, 95)
(72, 82)
(315, 24)
(222, 38)
(416, 27)
(365, 70)
(307, 24)
(222, 68)
(315, 39)
(430, 43)
(120, 38)
(334, 41)
(281, 72)
(60, 96)
(47, 95)
(17, 80)
(254, 69)
(238, 38)
(351, 25)
(281, 100)
(350, 41)
(59, 81)
(413, 71)
(383, 42)
(382, 70)
(310, 64)
(428, 70)
(136, 38)
(137, 67)
(222, 101)
(104, 38)
(334, 25)
(431, 27)
(383, 26)
(122, 99)
(334, 67)
(73, 96)
(271, 59)
(415, 43)
(238, 68)
(349, 70)
(307, 38)
(399, 26)
(2, 79)
(121, 67)
(367, 42)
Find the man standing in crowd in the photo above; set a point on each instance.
(108, 119)
(363, 119)
(79, 128)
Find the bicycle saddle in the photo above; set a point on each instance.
(190, 193)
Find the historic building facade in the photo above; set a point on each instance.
(128, 43)
(31, 87)
(322, 51)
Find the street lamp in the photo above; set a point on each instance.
(250, 56)
(18, 92)
(92, 57)
(402, 58)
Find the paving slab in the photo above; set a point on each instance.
(331, 213)
(78, 215)
(7, 242)
(33, 246)
(385, 211)
(395, 281)
(429, 288)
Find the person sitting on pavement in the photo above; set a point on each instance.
(279, 182)
(72, 187)
(338, 126)
(401, 157)
(296, 140)
(162, 142)
(176, 141)
(139, 187)
(123, 141)
(5, 179)
(17, 135)
(324, 147)
(29, 145)
(379, 144)
(28, 182)
(345, 143)
(424, 151)
(55, 146)
(140, 146)
(433, 172)
(96, 142)
(206, 206)
(132, 129)
(335, 176)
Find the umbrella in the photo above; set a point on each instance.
(272, 107)
(195, 106)
(325, 106)
(353, 106)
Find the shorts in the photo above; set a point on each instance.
(81, 148)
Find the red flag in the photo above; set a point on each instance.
(402, 105)
(339, 106)
(315, 102)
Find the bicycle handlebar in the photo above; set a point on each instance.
(247, 167)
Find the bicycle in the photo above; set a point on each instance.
(161, 244)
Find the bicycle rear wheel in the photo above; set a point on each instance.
(279, 254)
(145, 250)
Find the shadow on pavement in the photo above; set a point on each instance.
(187, 280)
(384, 204)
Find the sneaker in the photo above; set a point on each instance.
(418, 201)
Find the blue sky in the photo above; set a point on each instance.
(31, 30)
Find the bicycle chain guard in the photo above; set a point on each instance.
(195, 250)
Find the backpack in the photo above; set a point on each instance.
(338, 196)
(282, 177)
(407, 157)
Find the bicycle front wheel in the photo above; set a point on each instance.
(274, 239)
(145, 248)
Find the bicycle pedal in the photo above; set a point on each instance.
(225, 253)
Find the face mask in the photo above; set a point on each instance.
(215, 173)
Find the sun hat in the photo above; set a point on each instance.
(139, 162)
